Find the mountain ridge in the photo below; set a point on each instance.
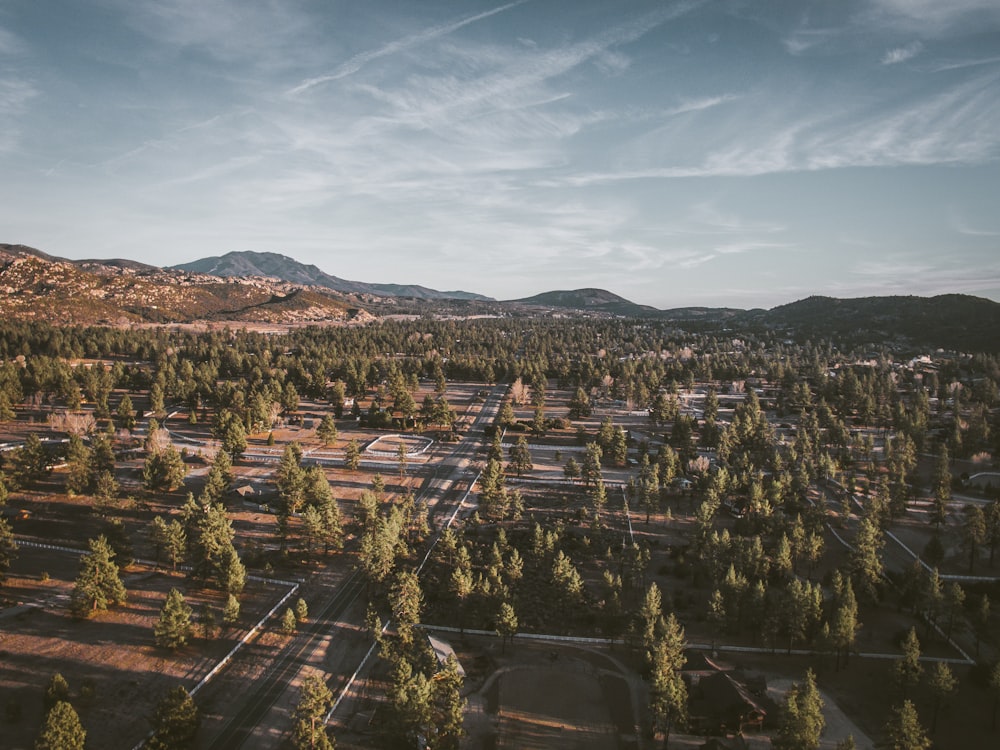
(37, 286)
(253, 263)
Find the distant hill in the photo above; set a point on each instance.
(948, 321)
(248, 263)
(586, 300)
(268, 287)
(38, 286)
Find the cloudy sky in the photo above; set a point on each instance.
(677, 153)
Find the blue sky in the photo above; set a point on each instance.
(676, 153)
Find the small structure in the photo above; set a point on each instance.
(247, 492)
(720, 704)
(442, 651)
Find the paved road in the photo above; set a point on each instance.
(442, 491)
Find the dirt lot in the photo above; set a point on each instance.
(115, 671)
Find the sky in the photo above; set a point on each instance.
(723, 152)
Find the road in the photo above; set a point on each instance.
(442, 492)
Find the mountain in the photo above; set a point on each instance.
(38, 286)
(248, 263)
(586, 300)
(947, 321)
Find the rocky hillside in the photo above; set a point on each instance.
(37, 286)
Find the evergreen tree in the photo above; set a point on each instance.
(163, 470)
(506, 624)
(210, 546)
(301, 610)
(168, 538)
(844, 623)
(520, 457)
(8, 548)
(175, 722)
(446, 691)
(941, 488)
(126, 414)
(31, 461)
(973, 533)
(61, 729)
(903, 730)
(98, 584)
(173, 628)
(942, 684)
(352, 455)
(289, 623)
(579, 405)
(802, 719)
(78, 466)
(866, 558)
(231, 612)
(220, 476)
(591, 471)
(308, 725)
(229, 429)
(327, 431)
(994, 685)
(668, 693)
(907, 669)
(57, 690)
(406, 600)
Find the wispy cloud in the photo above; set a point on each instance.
(933, 17)
(354, 64)
(904, 274)
(960, 64)
(802, 40)
(15, 94)
(902, 54)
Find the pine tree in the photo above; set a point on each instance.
(220, 476)
(506, 624)
(907, 669)
(668, 693)
(866, 559)
(327, 431)
(352, 456)
(231, 612)
(520, 457)
(802, 719)
(98, 584)
(8, 548)
(406, 600)
(449, 705)
(164, 470)
(942, 684)
(57, 690)
(844, 623)
(176, 721)
(941, 488)
(301, 610)
(308, 725)
(168, 538)
(61, 730)
(903, 730)
(289, 623)
(173, 628)
(126, 414)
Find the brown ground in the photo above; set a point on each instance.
(115, 671)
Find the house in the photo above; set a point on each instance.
(720, 704)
